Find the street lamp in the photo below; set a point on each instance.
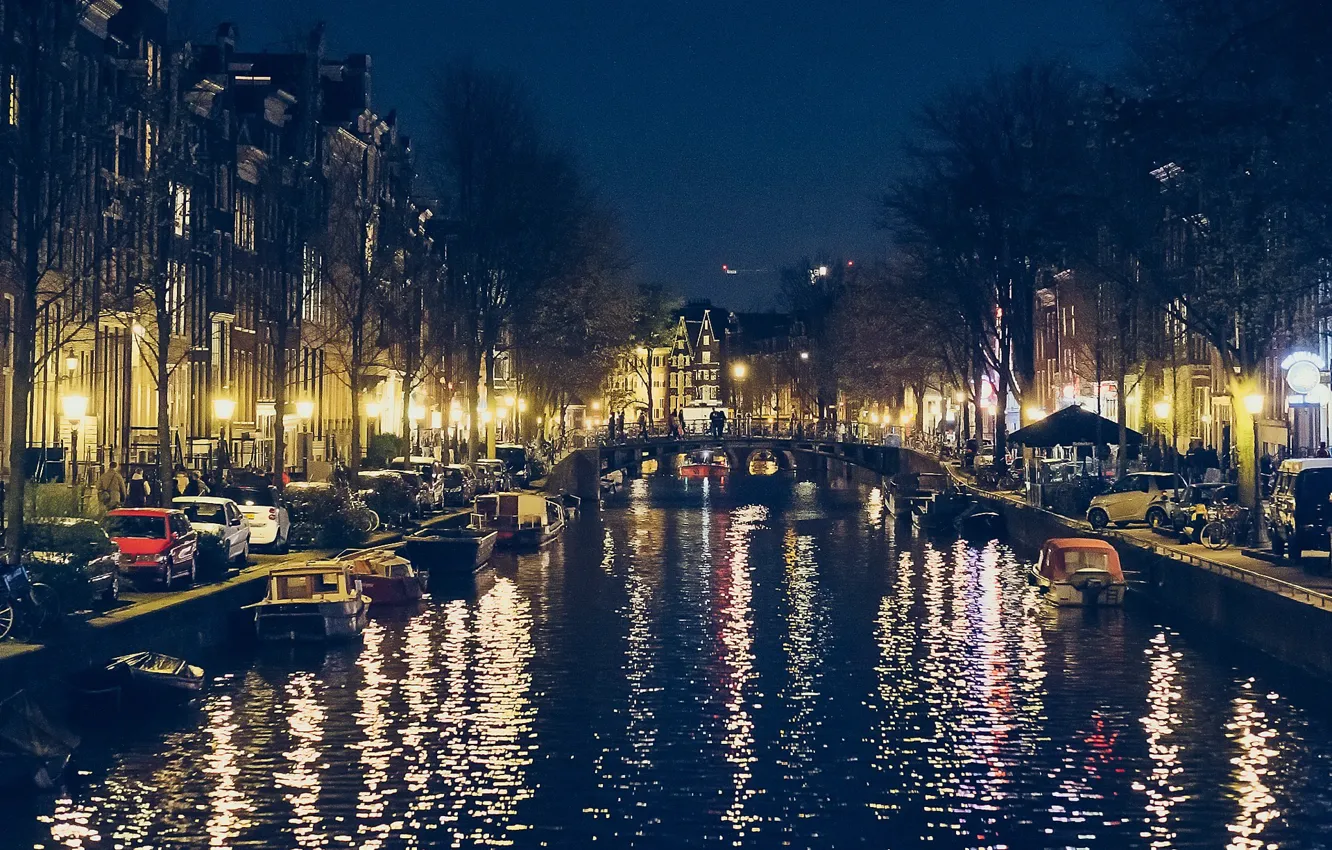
(1253, 403)
(71, 363)
(372, 409)
(223, 409)
(1035, 413)
(739, 370)
(305, 409)
(1162, 409)
(804, 355)
(75, 407)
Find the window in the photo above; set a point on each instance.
(244, 222)
(707, 356)
(175, 296)
(13, 100)
(312, 292)
(181, 203)
(149, 141)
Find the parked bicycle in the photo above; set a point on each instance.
(1226, 524)
(26, 606)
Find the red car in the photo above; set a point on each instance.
(156, 544)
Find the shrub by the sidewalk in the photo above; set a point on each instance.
(388, 495)
(59, 551)
(211, 560)
(383, 448)
(321, 517)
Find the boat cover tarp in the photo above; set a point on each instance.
(1071, 426)
(25, 731)
(1064, 556)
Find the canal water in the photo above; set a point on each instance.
(758, 664)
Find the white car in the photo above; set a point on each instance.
(269, 524)
(221, 517)
(1139, 497)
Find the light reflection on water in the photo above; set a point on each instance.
(760, 663)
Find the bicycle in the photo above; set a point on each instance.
(1225, 525)
(25, 605)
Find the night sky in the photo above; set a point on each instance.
(748, 133)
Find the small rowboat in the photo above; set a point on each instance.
(154, 671)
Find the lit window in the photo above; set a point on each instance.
(175, 296)
(181, 200)
(149, 140)
(13, 100)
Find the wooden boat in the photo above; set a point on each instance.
(521, 520)
(33, 751)
(386, 577)
(1079, 571)
(154, 671)
(979, 524)
(321, 600)
(450, 550)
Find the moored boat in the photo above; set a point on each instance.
(321, 600)
(520, 520)
(155, 671)
(1079, 571)
(450, 550)
(386, 577)
(33, 751)
(709, 469)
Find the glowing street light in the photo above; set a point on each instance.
(305, 409)
(1253, 403)
(1162, 409)
(509, 401)
(416, 412)
(804, 355)
(71, 363)
(1035, 414)
(372, 409)
(596, 405)
(224, 408)
(739, 370)
(455, 413)
(522, 405)
(75, 407)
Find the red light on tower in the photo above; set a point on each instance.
(850, 262)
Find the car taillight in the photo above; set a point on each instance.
(272, 513)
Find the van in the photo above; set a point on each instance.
(1299, 512)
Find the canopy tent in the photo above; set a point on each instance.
(1068, 427)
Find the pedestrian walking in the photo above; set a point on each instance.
(194, 485)
(111, 488)
(620, 425)
(610, 428)
(139, 490)
(721, 423)
(642, 425)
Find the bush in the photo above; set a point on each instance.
(337, 532)
(383, 448)
(388, 495)
(53, 500)
(211, 559)
(313, 502)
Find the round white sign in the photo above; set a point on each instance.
(1303, 377)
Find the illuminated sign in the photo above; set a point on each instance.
(1304, 373)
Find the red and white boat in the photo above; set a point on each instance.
(387, 577)
(521, 520)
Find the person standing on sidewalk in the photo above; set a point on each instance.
(111, 488)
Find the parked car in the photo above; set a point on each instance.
(428, 468)
(1138, 497)
(221, 518)
(156, 544)
(516, 462)
(56, 546)
(1188, 512)
(1299, 511)
(458, 484)
(492, 475)
(265, 513)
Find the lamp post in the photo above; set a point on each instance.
(75, 407)
(738, 372)
(223, 409)
(518, 420)
(416, 412)
(372, 411)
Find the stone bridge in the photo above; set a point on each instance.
(581, 471)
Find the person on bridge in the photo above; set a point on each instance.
(642, 425)
(610, 428)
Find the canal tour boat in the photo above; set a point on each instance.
(521, 520)
(321, 600)
(1079, 571)
(385, 576)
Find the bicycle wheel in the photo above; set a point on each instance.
(1215, 535)
(374, 521)
(45, 603)
(6, 620)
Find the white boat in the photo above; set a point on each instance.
(321, 600)
(1080, 571)
(522, 520)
